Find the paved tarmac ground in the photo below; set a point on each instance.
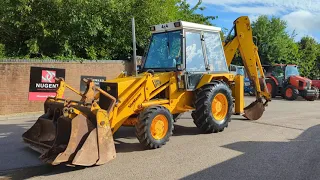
(283, 144)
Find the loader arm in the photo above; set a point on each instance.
(243, 41)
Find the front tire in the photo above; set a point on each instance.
(213, 107)
(154, 127)
(290, 93)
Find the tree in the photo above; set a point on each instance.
(89, 29)
(309, 57)
(274, 43)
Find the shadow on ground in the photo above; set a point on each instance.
(125, 133)
(20, 162)
(297, 159)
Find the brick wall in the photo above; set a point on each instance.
(15, 77)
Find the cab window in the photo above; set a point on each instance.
(194, 52)
(164, 51)
(215, 51)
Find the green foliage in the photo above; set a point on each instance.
(309, 57)
(274, 43)
(89, 29)
(100, 29)
(2, 51)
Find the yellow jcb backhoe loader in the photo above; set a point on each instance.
(184, 69)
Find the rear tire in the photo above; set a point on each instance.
(208, 119)
(154, 127)
(290, 93)
(271, 84)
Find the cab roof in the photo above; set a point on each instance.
(171, 26)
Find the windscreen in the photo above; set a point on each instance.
(164, 51)
(292, 71)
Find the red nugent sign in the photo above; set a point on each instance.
(42, 82)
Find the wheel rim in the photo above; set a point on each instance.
(219, 107)
(289, 92)
(269, 86)
(159, 127)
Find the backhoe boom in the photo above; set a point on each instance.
(243, 41)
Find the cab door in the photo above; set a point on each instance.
(195, 60)
(204, 54)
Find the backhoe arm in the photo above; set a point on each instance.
(243, 41)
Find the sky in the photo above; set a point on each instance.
(303, 16)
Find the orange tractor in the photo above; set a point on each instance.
(285, 80)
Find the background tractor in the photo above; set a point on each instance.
(184, 69)
(285, 80)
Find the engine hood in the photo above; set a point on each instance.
(300, 78)
(300, 82)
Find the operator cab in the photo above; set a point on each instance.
(192, 48)
(291, 70)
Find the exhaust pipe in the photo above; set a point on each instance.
(134, 47)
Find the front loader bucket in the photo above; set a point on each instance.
(254, 111)
(42, 134)
(74, 138)
(99, 147)
(80, 128)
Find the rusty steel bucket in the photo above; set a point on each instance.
(73, 135)
(254, 111)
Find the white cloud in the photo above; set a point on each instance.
(255, 10)
(304, 22)
(253, 17)
(302, 16)
(291, 5)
